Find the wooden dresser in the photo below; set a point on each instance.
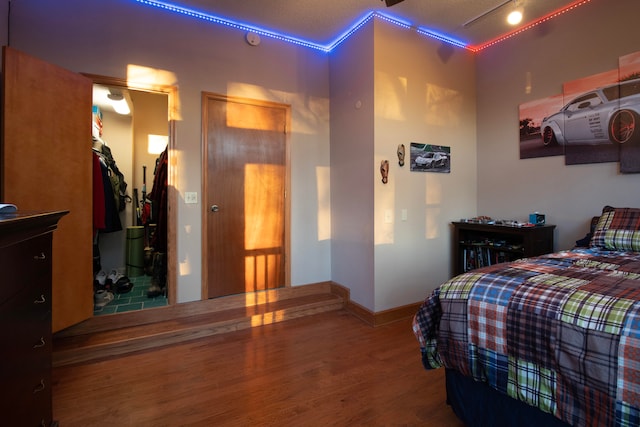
(25, 317)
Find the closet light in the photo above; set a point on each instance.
(157, 143)
(119, 103)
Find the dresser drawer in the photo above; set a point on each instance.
(30, 402)
(26, 323)
(26, 264)
(30, 349)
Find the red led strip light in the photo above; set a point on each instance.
(545, 18)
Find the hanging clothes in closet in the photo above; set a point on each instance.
(109, 189)
(158, 197)
(109, 197)
(156, 201)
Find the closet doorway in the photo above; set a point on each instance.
(130, 252)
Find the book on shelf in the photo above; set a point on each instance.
(476, 257)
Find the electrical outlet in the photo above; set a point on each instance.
(190, 197)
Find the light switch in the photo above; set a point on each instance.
(190, 197)
(404, 214)
(388, 216)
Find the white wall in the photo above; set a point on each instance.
(352, 154)
(114, 37)
(578, 44)
(391, 86)
(424, 93)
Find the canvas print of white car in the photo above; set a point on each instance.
(431, 158)
(609, 114)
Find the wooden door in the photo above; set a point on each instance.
(244, 203)
(46, 164)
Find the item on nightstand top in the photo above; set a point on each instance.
(537, 218)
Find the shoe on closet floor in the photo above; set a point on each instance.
(115, 277)
(102, 298)
(123, 287)
(155, 291)
(119, 282)
(101, 277)
(101, 282)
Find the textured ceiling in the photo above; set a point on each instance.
(322, 22)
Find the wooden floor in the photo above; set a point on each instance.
(329, 369)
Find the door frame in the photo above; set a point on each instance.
(205, 190)
(172, 93)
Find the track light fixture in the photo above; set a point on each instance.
(490, 11)
(515, 16)
(392, 2)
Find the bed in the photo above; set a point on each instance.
(552, 340)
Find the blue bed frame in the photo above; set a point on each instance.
(479, 405)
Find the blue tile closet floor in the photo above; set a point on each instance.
(135, 299)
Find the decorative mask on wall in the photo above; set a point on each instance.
(384, 170)
(401, 154)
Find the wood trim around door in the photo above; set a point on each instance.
(205, 174)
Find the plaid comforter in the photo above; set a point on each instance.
(560, 332)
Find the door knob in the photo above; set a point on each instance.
(215, 208)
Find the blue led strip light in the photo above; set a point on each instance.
(393, 20)
(328, 48)
(289, 39)
(350, 31)
(232, 24)
(441, 37)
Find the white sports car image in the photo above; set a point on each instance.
(432, 160)
(609, 114)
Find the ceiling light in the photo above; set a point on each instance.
(515, 17)
(483, 14)
(119, 103)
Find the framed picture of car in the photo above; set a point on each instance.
(629, 66)
(530, 115)
(595, 120)
(430, 158)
